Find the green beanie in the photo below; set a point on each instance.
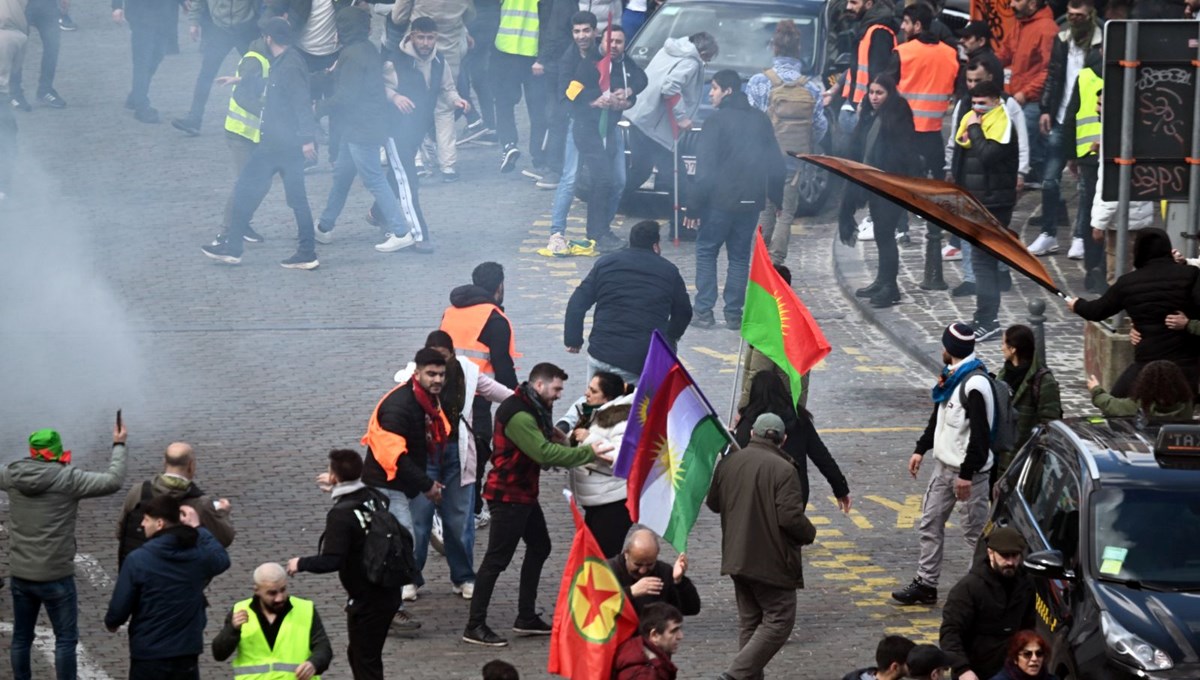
(47, 445)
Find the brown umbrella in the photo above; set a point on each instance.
(946, 205)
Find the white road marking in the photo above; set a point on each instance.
(43, 641)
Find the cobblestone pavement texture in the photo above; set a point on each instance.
(110, 304)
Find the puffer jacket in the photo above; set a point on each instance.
(676, 69)
(43, 498)
(1157, 286)
(988, 170)
(595, 484)
(1104, 213)
(981, 613)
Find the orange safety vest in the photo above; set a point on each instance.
(387, 446)
(464, 324)
(860, 74)
(927, 76)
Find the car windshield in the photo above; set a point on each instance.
(743, 32)
(1150, 536)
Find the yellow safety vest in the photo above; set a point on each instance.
(256, 661)
(1087, 120)
(518, 33)
(239, 121)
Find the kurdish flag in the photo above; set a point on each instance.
(659, 361)
(776, 323)
(592, 616)
(673, 464)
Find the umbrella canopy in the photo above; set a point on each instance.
(949, 207)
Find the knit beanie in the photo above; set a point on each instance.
(959, 340)
(47, 445)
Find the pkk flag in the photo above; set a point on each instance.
(592, 616)
(659, 360)
(673, 465)
(776, 323)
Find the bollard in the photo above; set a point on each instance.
(1037, 321)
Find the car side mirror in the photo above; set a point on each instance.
(1048, 564)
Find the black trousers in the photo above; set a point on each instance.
(987, 276)
(254, 183)
(367, 623)
(886, 218)
(598, 161)
(148, 45)
(481, 428)
(478, 61)
(42, 15)
(511, 524)
(609, 523)
(512, 76)
(174, 668)
(215, 44)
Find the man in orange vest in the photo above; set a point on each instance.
(874, 42)
(481, 332)
(926, 69)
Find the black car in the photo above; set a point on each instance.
(743, 30)
(1111, 512)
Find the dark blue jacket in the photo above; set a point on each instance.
(160, 591)
(635, 291)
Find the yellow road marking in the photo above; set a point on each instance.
(727, 358)
(906, 513)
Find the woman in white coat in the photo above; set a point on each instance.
(603, 414)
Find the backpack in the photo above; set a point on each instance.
(132, 534)
(790, 107)
(1004, 424)
(387, 552)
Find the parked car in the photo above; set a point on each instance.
(1111, 512)
(743, 29)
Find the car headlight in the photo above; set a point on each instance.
(1127, 645)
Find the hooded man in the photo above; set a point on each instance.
(160, 591)
(1026, 55)
(44, 491)
(959, 435)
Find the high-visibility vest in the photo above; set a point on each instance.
(518, 32)
(858, 76)
(927, 76)
(239, 121)
(464, 324)
(1087, 119)
(257, 661)
(387, 446)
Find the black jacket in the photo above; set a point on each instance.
(400, 413)
(738, 162)
(287, 120)
(1157, 286)
(358, 103)
(341, 545)
(988, 170)
(980, 616)
(410, 82)
(622, 74)
(682, 596)
(803, 442)
(554, 32)
(986, 56)
(496, 333)
(1056, 75)
(892, 148)
(879, 52)
(635, 291)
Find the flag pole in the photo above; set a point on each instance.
(737, 379)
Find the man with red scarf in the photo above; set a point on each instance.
(407, 430)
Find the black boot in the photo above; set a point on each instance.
(933, 261)
(868, 291)
(887, 295)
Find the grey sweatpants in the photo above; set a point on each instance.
(935, 512)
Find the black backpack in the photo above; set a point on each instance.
(132, 534)
(387, 552)
(1004, 425)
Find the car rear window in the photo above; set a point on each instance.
(1149, 536)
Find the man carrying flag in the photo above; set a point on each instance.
(593, 616)
(758, 495)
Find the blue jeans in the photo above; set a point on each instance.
(733, 229)
(1052, 178)
(631, 21)
(62, 608)
(398, 505)
(1037, 143)
(362, 160)
(565, 194)
(968, 269)
(455, 509)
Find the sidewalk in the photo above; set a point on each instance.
(916, 324)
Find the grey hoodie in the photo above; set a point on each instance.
(676, 69)
(43, 501)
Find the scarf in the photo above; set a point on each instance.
(951, 376)
(1015, 375)
(995, 123)
(541, 413)
(436, 433)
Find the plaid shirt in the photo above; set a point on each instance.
(514, 476)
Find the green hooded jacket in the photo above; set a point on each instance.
(1037, 401)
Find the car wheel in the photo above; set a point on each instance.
(814, 187)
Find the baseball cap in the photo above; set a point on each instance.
(975, 29)
(767, 422)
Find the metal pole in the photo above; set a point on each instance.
(1125, 181)
(1037, 320)
(675, 226)
(1194, 184)
(737, 378)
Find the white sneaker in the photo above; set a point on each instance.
(1044, 244)
(484, 518)
(393, 243)
(1076, 251)
(467, 590)
(323, 236)
(951, 254)
(558, 245)
(410, 593)
(866, 230)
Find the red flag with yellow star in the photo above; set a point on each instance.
(592, 616)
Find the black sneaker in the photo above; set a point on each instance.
(147, 114)
(733, 324)
(534, 626)
(403, 622)
(473, 131)
(50, 98)
(20, 103)
(482, 635)
(251, 236)
(916, 593)
(223, 252)
(373, 219)
(549, 180)
(66, 23)
(608, 243)
(508, 157)
(964, 289)
(187, 126)
(129, 102)
(985, 331)
(703, 320)
(301, 261)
